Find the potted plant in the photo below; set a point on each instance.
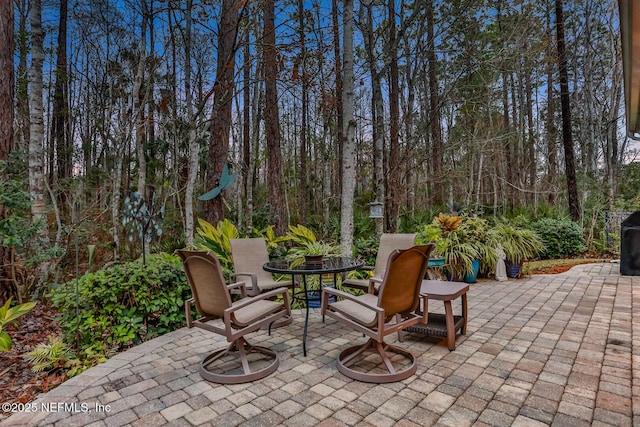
(308, 248)
(459, 255)
(475, 231)
(452, 245)
(315, 252)
(431, 233)
(519, 245)
(310, 251)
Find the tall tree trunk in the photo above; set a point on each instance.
(349, 149)
(377, 108)
(339, 83)
(194, 146)
(395, 186)
(36, 131)
(61, 138)
(305, 109)
(6, 115)
(22, 95)
(138, 103)
(221, 115)
(434, 110)
(550, 125)
(272, 120)
(246, 133)
(567, 137)
(531, 139)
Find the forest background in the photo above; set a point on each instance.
(319, 108)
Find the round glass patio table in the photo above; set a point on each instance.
(328, 265)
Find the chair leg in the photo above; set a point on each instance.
(382, 349)
(238, 350)
(400, 336)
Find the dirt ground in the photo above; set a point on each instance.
(18, 384)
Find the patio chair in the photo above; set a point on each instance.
(388, 243)
(392, 310)
(249, 255)
(212, 297)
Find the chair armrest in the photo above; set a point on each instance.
(372, 282)
(345, 295)
(265, 295)
(187, 311)
(254, 281)
(239, 285)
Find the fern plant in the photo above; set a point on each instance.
(48, 356)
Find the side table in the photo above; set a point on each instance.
(446, 325)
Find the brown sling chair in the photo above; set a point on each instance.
(377, 316)
(233, 320)
(388, 243)
(249, 255)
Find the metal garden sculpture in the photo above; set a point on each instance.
(142, 221)
(225, 181)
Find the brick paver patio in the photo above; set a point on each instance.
(556, 350)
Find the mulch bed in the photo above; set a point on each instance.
(18, 384)
(556, 269)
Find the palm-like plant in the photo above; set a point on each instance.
(458, 253)
(308, 245)
(519, 244)
(216, 239)
(475, 230)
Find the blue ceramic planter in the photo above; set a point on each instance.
(471, 277)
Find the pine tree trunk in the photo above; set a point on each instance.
(138, 104)
(272, 120)
(22, 95)
(246, 133)
(221, 116)
(6, 118)
(339, 84)
(567, 137)
(305, 109)
(434, 111)
(61, 138)
(394, 172)
(550, 126)
(377, 109)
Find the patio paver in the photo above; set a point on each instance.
(558, 350)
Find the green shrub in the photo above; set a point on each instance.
(561, 237)
(123, 304)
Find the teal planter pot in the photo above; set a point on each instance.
(435, 262)
(471, 277)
